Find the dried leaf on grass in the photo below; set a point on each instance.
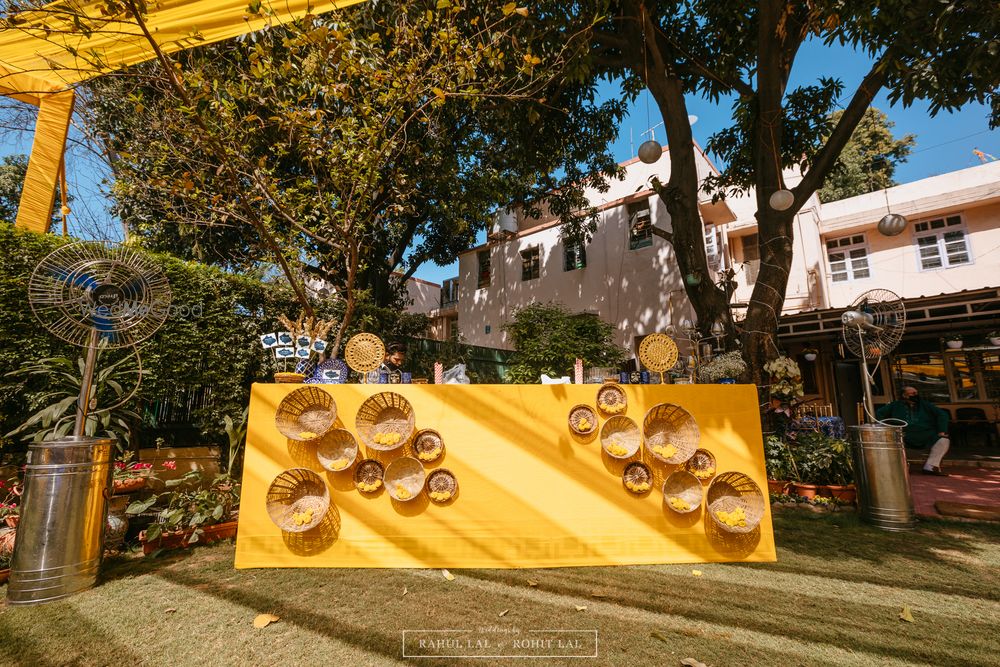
(264, 620)
(696, 573)
(691, 662)
(532, 583)
(503, 613)
(659, 635)
(405, 591)
(581, 607)
(169, 611)
(906, 615)
(448, 575)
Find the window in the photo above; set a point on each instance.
(941, 243)
(926, 372)
(575, 256)
(751, 257)
(848, 257)
(530, 263)
(484, 268)
(640, 227)
(712, 250)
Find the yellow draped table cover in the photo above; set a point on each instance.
(531, 494)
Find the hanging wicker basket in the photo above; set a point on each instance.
(364, 352)
(583, 419)
(368, 476)
(404, 478)
(611, 399)
(297, 500)
(428, 445)
(670, 433)
(637, 478)
(337, 450)
(441, 485)
(701, 464)
(682, 492)
(620, 437)
(306, 414)
(385, 421)
(735, 502)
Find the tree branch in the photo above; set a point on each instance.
(666, 43)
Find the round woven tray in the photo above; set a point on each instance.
(577, 414)
(732, 490)
(441, 481)
(637, 473)
(667, 425)
(428, 445)
(658, 352)
(404, 478)
(337, 450)
(685, 488)
(611, 399)
(306, 414)
(701, 464)
(289, 378)
(364, 352)
(385, 413)
(622, 431)
(297, 491)
(369, 471)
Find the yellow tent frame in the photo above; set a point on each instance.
(66, 42)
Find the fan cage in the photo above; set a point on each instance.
(888, 314)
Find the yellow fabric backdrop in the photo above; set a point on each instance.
(530, 493)
(71, 41)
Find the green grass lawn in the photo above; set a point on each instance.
(833, 598)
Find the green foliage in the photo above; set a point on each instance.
(869, 159)
(778, 459)
(190, 508)
(809, 457)
(548, 339)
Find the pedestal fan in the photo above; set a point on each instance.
(872, 327)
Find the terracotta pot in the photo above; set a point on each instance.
(4, 575)
(179, 540)
(847, 493)
(12, 520)
(123, 486)
(778, 485)
(806, 490)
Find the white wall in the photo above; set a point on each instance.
(425, 296)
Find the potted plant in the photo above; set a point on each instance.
(994, 338)
(810, 353)
(825, 467)
(7, 536)
(723, 369)
(953, 341)
(786, 383)
(130, 476)
(779, 464)
(10, 496)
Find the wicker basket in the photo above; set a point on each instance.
(369, 473)
(306, 414)
(577, 414)
(364, 352)
(667, 425)
(404, 478)
(635, 475)
(611, 399)
(658, 352)
(701, 464)
(621, 431)
(337, 450)
(682, 492)
(296, 492)
(441, 485)
(385, 413)
(289, 378)
(730, 491)
(428, 445)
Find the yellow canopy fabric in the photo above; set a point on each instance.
(530, 493)
(70, 41)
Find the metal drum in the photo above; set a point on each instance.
(882, 476)
(63, 510)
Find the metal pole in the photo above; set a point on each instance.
(867, 383)
(86, 382)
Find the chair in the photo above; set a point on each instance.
(973, 420)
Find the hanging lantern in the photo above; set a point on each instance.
(782, 200)
(650, 151)
(892, 224)
(693, 279)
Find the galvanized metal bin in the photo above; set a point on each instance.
(882, 476)
(63, 512)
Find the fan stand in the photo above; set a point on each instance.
(86, 383)
(866, 382)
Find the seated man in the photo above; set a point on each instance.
(927, 426)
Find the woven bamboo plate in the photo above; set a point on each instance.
(583, 419)
(701, 464)
(620, 432)
(306, 414)
(658, 352)
(682, 492)
(385, 421)
(441, 485)
(337, 450)
(364, 352)
(297, 500)
(404, 478)
(731, 493)
(368, 476)
(670, 433)
(637, 478)
(428, 445)
(611, 399)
